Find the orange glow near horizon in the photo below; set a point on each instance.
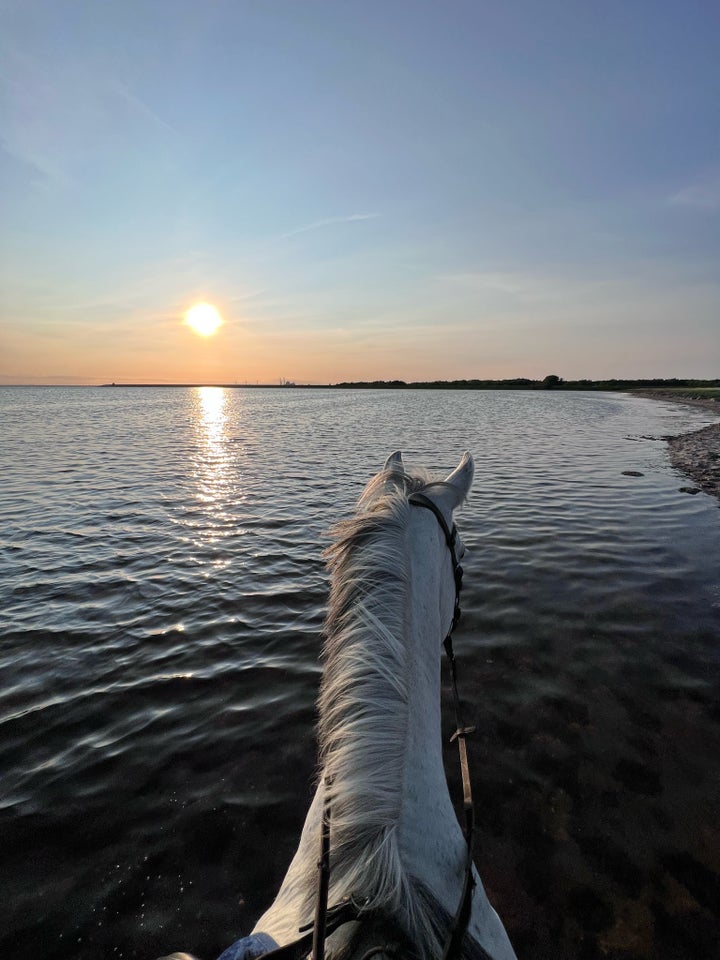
(203, 319)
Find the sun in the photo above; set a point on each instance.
(203, 319)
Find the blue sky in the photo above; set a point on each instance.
(364, 190)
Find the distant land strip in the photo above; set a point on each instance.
(705, 388)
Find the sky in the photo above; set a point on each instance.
(364, 189)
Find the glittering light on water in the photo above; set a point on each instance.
(212, 400)
(213, 436)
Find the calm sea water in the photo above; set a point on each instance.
(161, 601)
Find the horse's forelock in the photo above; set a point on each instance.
(394, 480)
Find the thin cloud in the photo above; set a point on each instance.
(142, 109)
(703, 195)
(329, 222)
(30, 97)
(58, 115)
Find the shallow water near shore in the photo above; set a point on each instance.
(161, 602)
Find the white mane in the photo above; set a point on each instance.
(363, 705)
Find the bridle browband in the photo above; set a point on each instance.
(328, 919)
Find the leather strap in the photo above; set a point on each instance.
(459, 924)
(421, 500)
(321, 907)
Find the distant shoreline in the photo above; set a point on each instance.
(706, 387)
(671, 388)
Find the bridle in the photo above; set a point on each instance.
(328, 919)
(451, 536)
(459, 923)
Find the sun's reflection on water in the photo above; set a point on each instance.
(213, 474)
(214, 417)
(218, 475)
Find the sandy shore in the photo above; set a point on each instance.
(697, 454)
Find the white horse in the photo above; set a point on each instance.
(396, 850)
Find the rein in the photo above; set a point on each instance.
(328, 919)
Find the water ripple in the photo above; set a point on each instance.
(162, 599)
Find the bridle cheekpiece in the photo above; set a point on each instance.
(451, 536)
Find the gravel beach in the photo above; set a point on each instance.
(697, 454)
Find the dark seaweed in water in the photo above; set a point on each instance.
(162, 599)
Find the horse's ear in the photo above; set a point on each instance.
(394, 462)
(462, 476)
(455, 487)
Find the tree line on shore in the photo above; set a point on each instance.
(550, 382)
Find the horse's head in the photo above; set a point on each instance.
(436, 540)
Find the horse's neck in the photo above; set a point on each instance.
(433, 849)
(394, 831)
(430, 836)
(423, 645)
